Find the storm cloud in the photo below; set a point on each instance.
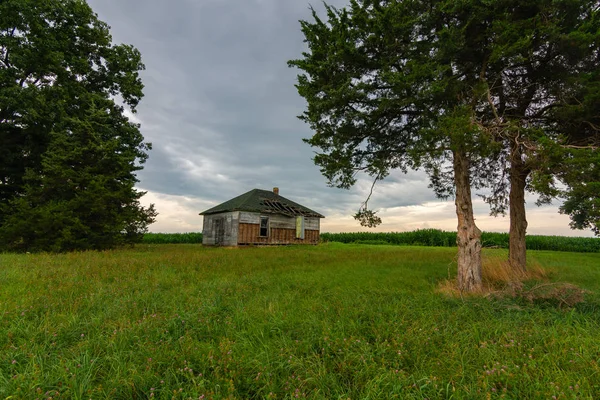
(220, 109)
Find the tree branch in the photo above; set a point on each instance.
(572, 146)
(364, 215)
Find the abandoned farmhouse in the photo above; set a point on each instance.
(260, 217)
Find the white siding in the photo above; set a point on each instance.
(312, 223)
(249, 217)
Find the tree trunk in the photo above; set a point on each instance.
(468, 238)
(517, 252)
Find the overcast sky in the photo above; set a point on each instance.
(220, 109)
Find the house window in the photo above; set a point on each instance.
(264, 226)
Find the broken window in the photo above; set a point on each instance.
(264, 226)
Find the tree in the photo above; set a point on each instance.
(541, 82)
(68, 154)
(392, 85)
(415, 83)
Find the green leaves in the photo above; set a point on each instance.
(367, 218)
(377, 80)
(582, 202)
(68, 152)
(403, 84)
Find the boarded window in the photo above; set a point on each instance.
(299, 227)
(264, 226)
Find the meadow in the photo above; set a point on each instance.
(329, 321)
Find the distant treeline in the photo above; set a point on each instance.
(421, 237)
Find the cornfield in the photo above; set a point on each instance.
(439, 238)
(172, 238)
(421, 237)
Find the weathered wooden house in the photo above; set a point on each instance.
(260, 217)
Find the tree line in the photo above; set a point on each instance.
(499, 94)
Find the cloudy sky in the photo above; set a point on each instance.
(220, 109)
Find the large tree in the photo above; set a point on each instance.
(443, 83)
(539, 86)
(390, 85)
(541, 83)
(68, 153)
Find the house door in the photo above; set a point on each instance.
(219, 229)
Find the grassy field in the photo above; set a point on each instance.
(329, 321)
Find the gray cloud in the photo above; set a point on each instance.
(220, 108)
(220, 105)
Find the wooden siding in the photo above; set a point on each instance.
(312, 223)
(249, 217)
(227, 235)
(249, 234)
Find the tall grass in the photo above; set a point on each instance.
(322, 322)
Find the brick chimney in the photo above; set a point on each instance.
(276, 191)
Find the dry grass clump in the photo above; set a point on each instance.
(496, 272)
(501, 281)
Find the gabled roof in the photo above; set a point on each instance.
(263, 201)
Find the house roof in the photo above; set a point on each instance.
(263, 201)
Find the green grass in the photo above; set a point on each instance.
(330, 321)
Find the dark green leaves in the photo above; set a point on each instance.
(68, 154)
(402, 84)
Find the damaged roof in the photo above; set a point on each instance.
(263, 201)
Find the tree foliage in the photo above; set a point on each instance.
(390, 85)
(582, 198)
(480, 94)
(383, 91)
(69, 153)
(542, 82)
